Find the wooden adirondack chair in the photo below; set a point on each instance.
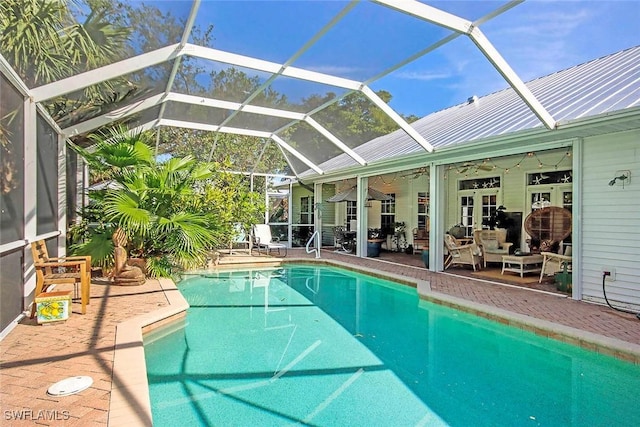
(59, 270)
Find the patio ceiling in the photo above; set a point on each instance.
(297, 76)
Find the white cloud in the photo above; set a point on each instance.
(335, 70)
(422, 75)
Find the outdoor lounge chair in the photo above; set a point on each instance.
(59, 270)
(241, 240)
(420, 240)
(468, 254)
(262, 239)
(554, 263)
(492, 244)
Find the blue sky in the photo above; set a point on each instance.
(536, 38)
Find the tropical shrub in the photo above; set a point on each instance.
(174, 212)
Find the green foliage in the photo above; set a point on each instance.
(95, 241)
(173, 212)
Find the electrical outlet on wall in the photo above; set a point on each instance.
(610, 273)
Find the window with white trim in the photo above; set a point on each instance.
(388, 214)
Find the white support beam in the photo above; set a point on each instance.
(510, 76)
(313, 76)
(247, 132)
(362, 184)
(227, 105)
(62, 195)
(230, 58)
(293, 151)
(317, 210)
(176, 64)
(264, 148)
(154, 100)
(443, 41)
(30, 188)
(188, 26)
(13, 77)
(47, 118)
(324, 30)
(213, 128)
(293, 168)
(341, 145)
(429, 14)
(108, 72)
(396, 118)
(268, 67)
(120, 113)
(143, 127)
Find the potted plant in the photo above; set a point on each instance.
(425, 257)
(457, 231)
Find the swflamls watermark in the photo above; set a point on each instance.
(36, 415)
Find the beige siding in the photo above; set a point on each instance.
(611, 217)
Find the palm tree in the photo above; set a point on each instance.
(160, 206)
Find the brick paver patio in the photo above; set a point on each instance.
(33, 357)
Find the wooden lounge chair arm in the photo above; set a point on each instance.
(61, 264)
(85, 258)
(70, 258)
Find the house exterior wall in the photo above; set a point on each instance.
(611, 218)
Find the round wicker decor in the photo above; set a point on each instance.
(551, 223)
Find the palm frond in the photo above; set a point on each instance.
(99, 245)
(122, 208)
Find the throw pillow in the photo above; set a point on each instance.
(490, 244)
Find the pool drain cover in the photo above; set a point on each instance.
(70, 386)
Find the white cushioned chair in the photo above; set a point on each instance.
(492, 244)
(262, 239)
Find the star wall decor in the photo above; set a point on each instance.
(540, 178)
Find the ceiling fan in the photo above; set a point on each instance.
(417, 173)
(469, 165)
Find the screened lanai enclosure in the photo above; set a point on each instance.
(281, 93)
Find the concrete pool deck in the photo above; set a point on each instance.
(106, 343)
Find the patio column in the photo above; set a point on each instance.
(317, 212)
(30, 193)
(361, 216)
(576, 217)
(436, 217)
(62, 196)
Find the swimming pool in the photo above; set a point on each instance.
(325, 346)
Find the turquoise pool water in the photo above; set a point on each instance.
(327, 347)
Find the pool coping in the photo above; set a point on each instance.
(130, 403)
